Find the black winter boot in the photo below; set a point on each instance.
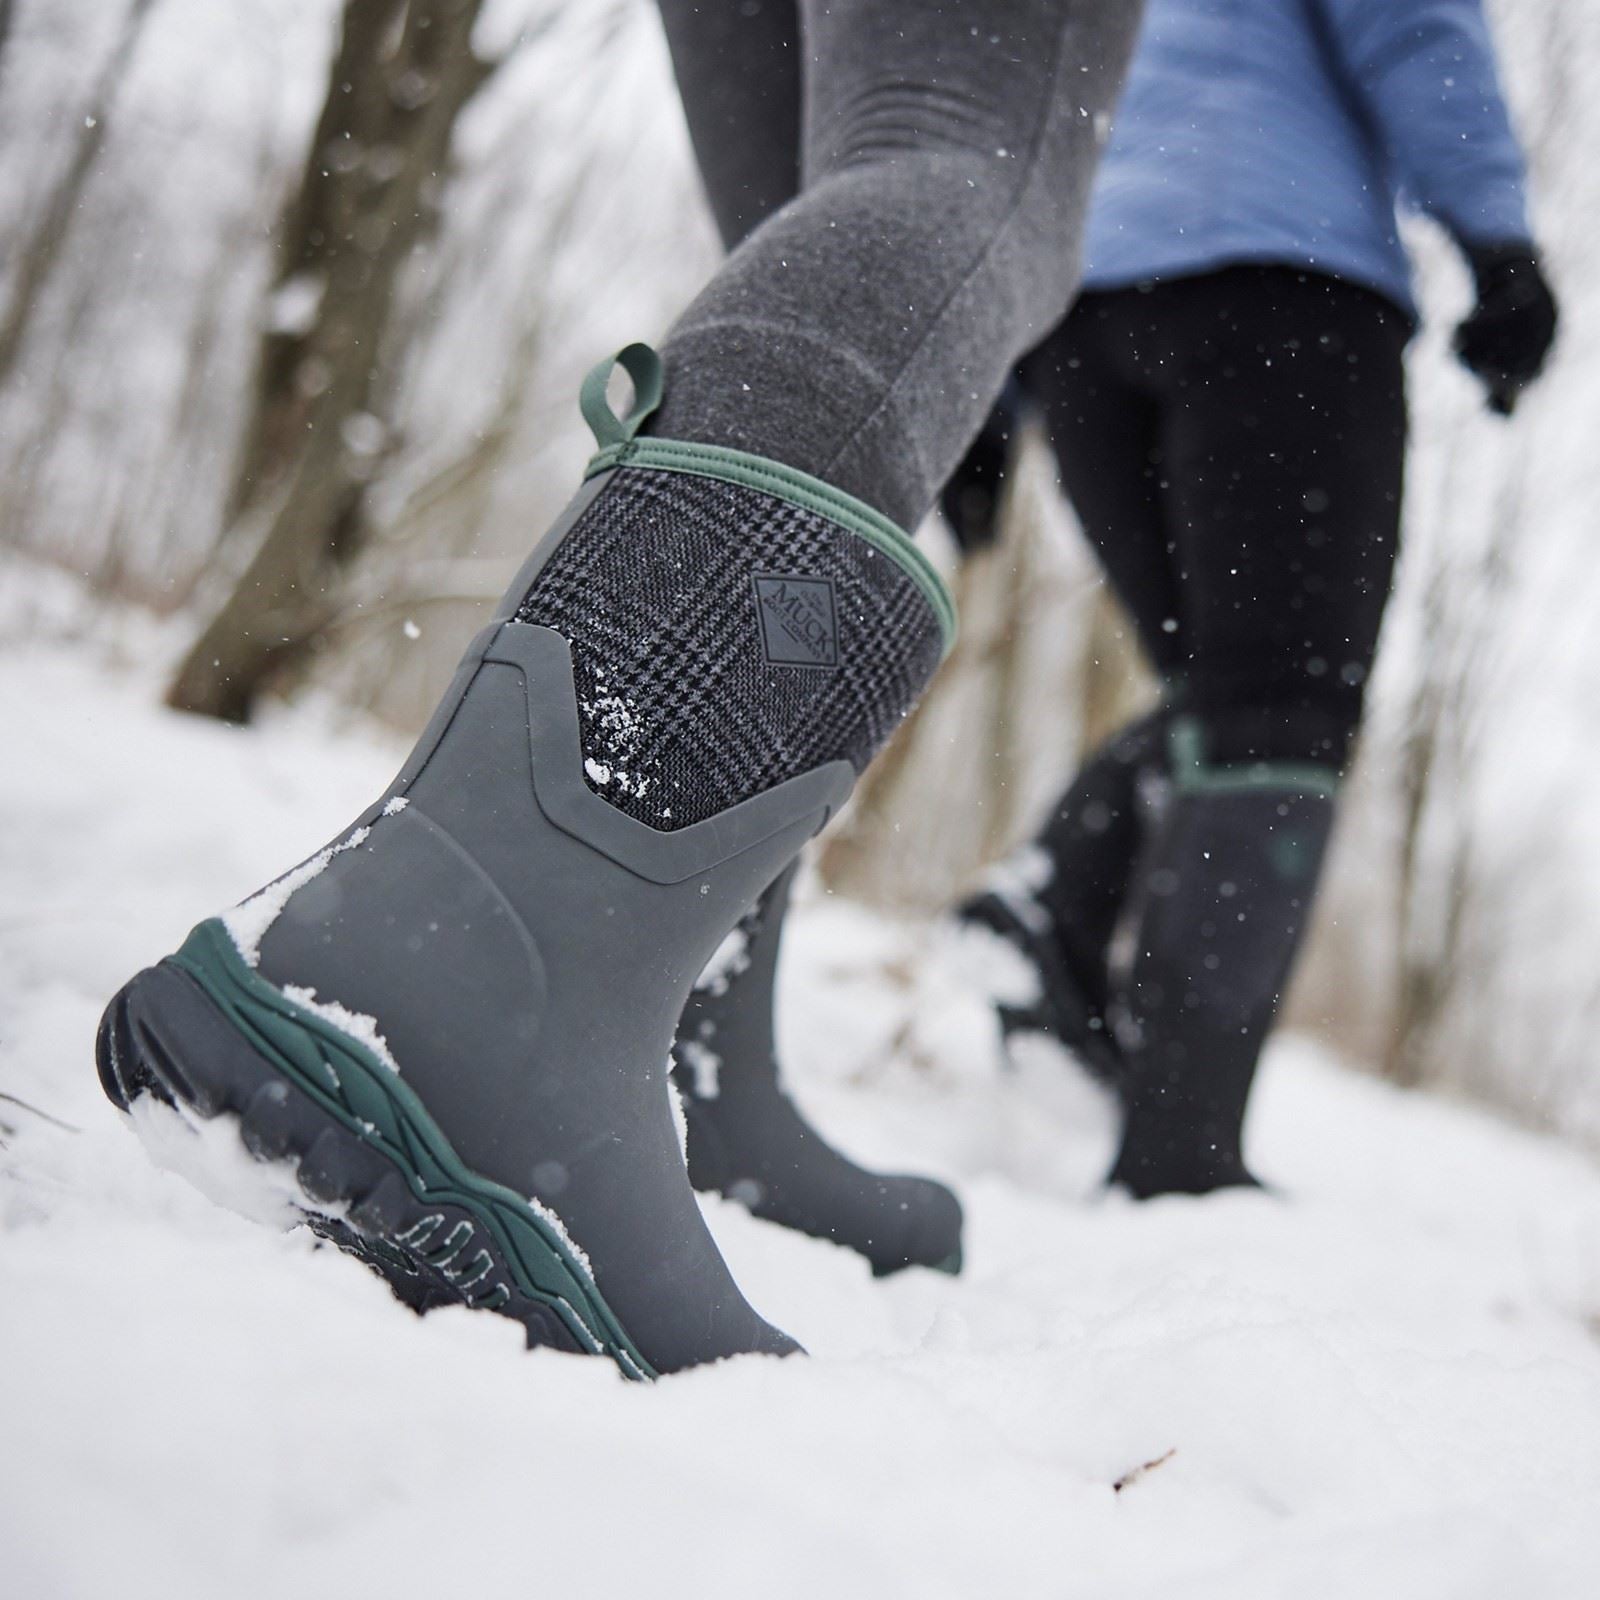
(1058, 900)
(1219, 907)
(453, 1023)
(748, 1141)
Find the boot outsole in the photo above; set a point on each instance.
(205, 1034)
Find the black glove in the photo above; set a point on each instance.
(1505, 340)
(971, 499)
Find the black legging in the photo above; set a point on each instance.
(1234, 445)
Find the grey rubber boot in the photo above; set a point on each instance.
(454, 1022)
(748, 1140)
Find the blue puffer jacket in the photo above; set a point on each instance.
(1288, 130)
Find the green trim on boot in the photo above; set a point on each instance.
(1193, 773)
(620, 446)
(367, 1097)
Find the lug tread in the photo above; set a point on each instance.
(404, 1215)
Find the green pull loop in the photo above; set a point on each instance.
(643, 366)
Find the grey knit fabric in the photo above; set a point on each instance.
(901, 184)
(724, 640)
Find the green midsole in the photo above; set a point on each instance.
(366, 1097)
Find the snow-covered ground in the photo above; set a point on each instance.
(1383, 1380)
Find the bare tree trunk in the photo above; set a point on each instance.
(366, 201)
(41, 253)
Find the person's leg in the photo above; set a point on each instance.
(455, 1020)
(738, 69)
(1097, 382)
(1284, 451)
(862, 332)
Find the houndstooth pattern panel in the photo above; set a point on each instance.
(690, 699)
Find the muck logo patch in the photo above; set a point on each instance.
(798, 626)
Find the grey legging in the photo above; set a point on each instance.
(902, 186)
